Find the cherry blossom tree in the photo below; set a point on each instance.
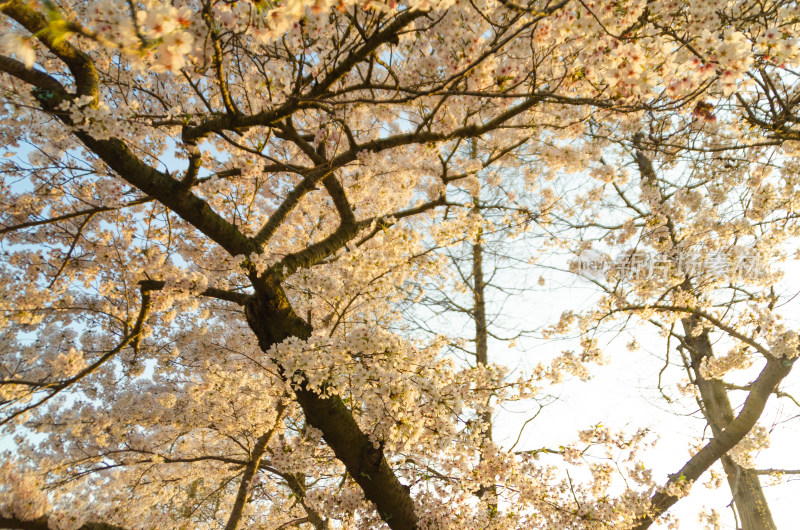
(211, 212)
(698, 254)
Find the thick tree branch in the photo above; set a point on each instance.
(769, 378)
(292, 199)
(248, 476)
(371, 44)
(171, 193)
(79, 64)
(160, 186)
(33, 77)
(212, 292)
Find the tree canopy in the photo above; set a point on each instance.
(219, 220)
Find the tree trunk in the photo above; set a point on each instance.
(748, 496)
(272, 319)
(479, 316)
(482, 349)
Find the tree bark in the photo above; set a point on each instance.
(249, 473)
(745, 485)
(272, 319)
(482, 350)
(761, 389)
(748, 495)
(479, 316)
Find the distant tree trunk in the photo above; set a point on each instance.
(748, 496)
(479, 316)
(482, 345)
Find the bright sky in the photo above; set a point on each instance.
(624, 395)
